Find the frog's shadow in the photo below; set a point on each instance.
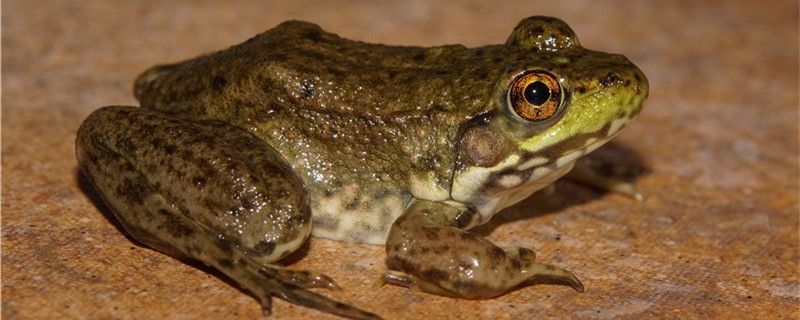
(569, 193)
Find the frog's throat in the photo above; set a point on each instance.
(491, 189)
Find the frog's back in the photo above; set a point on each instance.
(362, 124)
(297, 64)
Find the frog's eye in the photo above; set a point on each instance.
(535, 95)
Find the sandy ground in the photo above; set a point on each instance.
(718, 144)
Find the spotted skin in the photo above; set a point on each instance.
(243, 210)
(428, 248)
(234, 158)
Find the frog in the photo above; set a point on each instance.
(236, 158)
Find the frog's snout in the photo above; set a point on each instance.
(622, 71)
(623, 76)
(642, 84)
(640, 87)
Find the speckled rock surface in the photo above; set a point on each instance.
(717, 142)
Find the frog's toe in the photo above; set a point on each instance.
(265, 298)
(313, 300)
(265, 281)
(309, 279)
(398, 278)
(541, 271)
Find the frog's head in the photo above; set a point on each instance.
(556, 103)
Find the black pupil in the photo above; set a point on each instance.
(537, 93)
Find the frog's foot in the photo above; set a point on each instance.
(588, 172)
(537, 271)
(426, 253)
(534, 270)
(266, 281)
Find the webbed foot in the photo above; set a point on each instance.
(266, 281)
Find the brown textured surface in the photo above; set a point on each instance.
(717, 235)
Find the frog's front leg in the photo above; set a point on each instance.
(427, 249)
(587, 172)
(209, 191)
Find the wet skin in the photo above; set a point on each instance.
(236, 157)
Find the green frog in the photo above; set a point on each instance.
(236, 157)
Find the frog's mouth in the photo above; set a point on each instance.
(519, 175)
(503, 176)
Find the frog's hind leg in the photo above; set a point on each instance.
(206, 191)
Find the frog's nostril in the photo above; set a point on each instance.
(609, 79)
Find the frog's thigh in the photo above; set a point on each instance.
(207, 191)
(174, 181)
(427, 249)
